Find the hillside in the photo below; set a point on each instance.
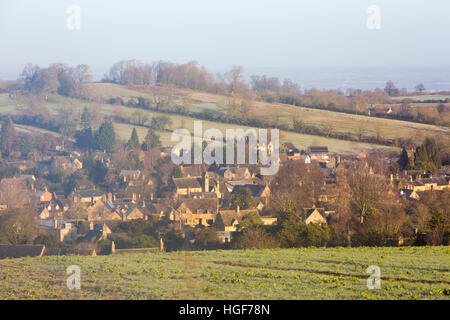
(339, 122)
(302, 141)
(307, 273)
(195, 101)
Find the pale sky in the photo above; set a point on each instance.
(222, 33)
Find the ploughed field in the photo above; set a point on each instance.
(305, 273)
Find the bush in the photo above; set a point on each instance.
(124, 241)
(255, 237)
(206, 238)
(104, 246)
(314, 235)
(50, 241)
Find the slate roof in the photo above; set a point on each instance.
(255, 189)
(87, 193)
(318, 149)
(206, 205)
(184, 183)
(195, 170)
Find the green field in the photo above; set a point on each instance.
(306, 273)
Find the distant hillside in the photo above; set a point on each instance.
(283, 114)
(97, 95)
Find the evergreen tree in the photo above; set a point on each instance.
(95, 169)
(177, 173)
(27, 145)
(151, 141)
(242, 198)
(86, 118)
(133, 143)
(8, 137)
(403, 161)
(85, 138)
(252, 219)
(427, 156)
(105, 138)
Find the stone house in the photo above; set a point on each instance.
(227, 222)
(314, 215)
(195, 212)
(101, 210)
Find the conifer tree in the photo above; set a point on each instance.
(105, 136)
(151, 141)
(133, 143)
(7, 137)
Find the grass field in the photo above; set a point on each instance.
(424, 97)
(337, 121)
(307, 273)
(302, 141)
(200, 101)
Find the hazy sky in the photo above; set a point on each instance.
(222, 33)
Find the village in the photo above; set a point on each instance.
(91, 218)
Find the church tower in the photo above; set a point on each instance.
(205, 178)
